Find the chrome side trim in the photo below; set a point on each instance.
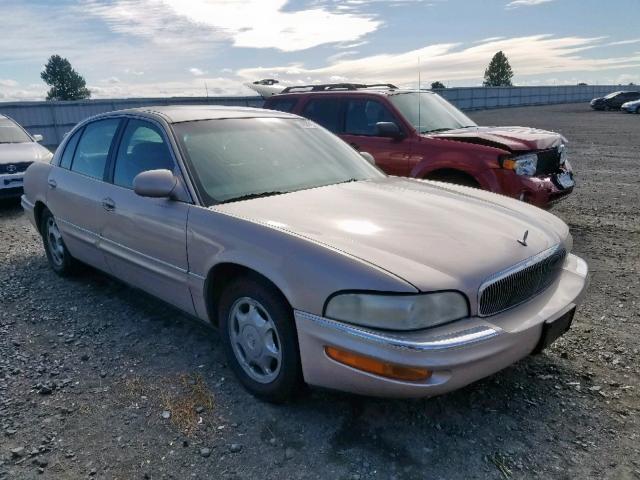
(439, 342)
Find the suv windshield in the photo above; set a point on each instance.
(429, 112)
(12, 133)
(238, 159)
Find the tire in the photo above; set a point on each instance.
(259, 338)
(60, 260)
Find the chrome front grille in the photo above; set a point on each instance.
(521, 282)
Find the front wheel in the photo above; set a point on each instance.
(58, 256)
(259, 338)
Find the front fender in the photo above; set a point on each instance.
(306, 272)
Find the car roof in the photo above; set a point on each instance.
(188, 113)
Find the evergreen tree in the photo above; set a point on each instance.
(65, 82)
(498, 73)
(435, 85)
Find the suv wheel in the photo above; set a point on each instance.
(259, 338)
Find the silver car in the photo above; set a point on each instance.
(315, 266)
(631, 107)
(18, 150)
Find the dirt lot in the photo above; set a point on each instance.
(98, 380)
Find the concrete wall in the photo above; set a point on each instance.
(481, 98)
(54, 119)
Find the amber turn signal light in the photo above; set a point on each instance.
(377, 367)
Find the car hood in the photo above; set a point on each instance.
(22, 152)
(433, 235)
(513, 139)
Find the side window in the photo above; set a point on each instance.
(324, 111)
(282, 105)
(363, 114)
(142, 148)
(69, 150)
(93, 148)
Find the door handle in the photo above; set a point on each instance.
(52, 183)
(108, 204)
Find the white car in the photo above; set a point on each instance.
(18, 150)
(631, 107)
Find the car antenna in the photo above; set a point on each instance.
(419, 102)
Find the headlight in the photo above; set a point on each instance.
(563, 154)
(522, 164)
(398, 312)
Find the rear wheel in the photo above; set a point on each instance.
(259, 338)
(58, 256)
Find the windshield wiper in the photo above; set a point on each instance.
(347, 181)
(250, 196)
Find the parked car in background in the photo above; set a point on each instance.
(315, 265)
(419, 134)
(631, 107)
(614, 100)
(18, 150)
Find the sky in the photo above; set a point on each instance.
(159, 48)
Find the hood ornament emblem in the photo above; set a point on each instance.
(11, 169)
(523, 242)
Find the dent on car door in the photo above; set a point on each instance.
(360, 131)
(76, 188)
(144, 239)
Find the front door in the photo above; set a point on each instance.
(360, 131)
(144, 239)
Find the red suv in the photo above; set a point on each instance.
(419, 134)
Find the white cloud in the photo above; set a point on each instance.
(8, 83)
(526, 3)
(625, 42)
(246, 23)
(532, 55)
(196, 72)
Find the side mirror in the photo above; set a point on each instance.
(368, 157)
(37, 137)
(389, 130)
(155, 183)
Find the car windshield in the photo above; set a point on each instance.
(614, 94)
(237, 159)
(429, 112)
(12, 133)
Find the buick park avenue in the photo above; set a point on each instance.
(315, 266)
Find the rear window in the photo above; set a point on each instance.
(93, 149)
(282, 105)
(324, 111)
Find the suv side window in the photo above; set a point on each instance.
(324, 111)
(69, 150)
(93, 148)
(362, 115)
(142, 148)
(282, 104)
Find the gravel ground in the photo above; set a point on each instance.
(98, 380)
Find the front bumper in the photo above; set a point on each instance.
(540, 191)
(11, 184)
(458, 353)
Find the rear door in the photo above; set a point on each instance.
(144, 239)
(360, 131)
(77, 188)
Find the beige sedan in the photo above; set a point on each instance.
(315, 266)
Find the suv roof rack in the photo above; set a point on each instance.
(337, 86)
